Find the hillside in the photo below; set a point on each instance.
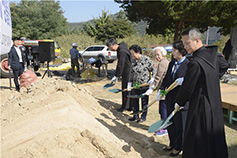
(140, 27)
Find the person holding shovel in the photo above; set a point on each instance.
(160, 53)
(176, 71)
(204, 131)
(122, 68)
(141, 70)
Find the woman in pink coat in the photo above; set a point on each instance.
(160, 53)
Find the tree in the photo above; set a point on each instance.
(38, 19)
(105, 27)
(166, 16)
(224, 15)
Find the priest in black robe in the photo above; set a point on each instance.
(204, 135)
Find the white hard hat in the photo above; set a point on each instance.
(74, 44)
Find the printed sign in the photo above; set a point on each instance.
(5, 27)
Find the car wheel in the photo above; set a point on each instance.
(4, 69)
(36, 68)
(110, 61)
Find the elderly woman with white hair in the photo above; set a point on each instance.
(159, 54)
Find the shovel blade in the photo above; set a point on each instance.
(108, 85)
(155, 126)
(115, 90)
(159, 125)
(165, 125)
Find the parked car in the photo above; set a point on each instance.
(99, 52)
(168, 48)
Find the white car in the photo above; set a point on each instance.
(99, 52)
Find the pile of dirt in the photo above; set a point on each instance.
(57, 118)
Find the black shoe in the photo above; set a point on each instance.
(173, 155)
(132, 119)
(141, 120)
(18, 89)
(167, 149)
(120, 110)
(129, 109)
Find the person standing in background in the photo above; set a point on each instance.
(227, 50)
(123, 67)
(74, 60)
(16, 61)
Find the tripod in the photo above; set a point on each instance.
(47, 71)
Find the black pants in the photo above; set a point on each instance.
(135, 102)
(74, 62)
(162, 110)
(17, 73)
(124, 93)
(176, 130)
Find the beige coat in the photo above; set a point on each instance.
(161, 72)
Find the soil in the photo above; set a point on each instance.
(78, 118)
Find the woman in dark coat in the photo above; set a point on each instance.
(176, 69)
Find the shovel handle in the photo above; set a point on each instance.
(151, 103)
(172, 86)
(176, 110)
(141, 85)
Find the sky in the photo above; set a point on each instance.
(84, 10)
(81, 11)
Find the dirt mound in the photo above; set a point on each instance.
(56, 118)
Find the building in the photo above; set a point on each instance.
(211, 35)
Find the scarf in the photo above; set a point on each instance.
(176, 66)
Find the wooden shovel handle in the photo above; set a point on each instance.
(141, 85)
(172, 86)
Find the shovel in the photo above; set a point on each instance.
(136, 96)
(162, 123)
(172, 86)
(120, 90)
(141, 95)
(108, 85)
(141, 111)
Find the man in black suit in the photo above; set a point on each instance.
(16, 61)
